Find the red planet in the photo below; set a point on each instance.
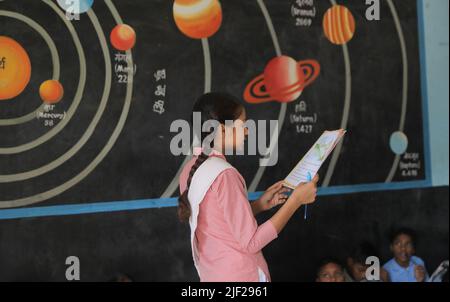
(123, 37)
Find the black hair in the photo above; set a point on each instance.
(220, 107)
(325, 261)
(363, 251)
(403, 231)
(120, 277)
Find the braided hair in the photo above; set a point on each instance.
(212, 106)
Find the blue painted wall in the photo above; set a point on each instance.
(436, 55)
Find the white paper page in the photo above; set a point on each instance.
(313, 160)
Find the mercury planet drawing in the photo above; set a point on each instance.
(51, 91)
(283, 80)
(339, 25)
(15, 68)
(197, 19)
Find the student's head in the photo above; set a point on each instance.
(121, 278)
(330, 270)
(223, 109)
(403, 245)
(356, 262)
(229, 114)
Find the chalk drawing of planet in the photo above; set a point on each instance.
(283, 80)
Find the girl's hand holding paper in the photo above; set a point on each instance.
(306, 193)
(274, 196)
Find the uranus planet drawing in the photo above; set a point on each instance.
(339, 25)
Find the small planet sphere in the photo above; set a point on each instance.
(123, 37)
(197, 19)
(339, 25)
(51, 91)
(398, 142)
(15, 68)
(76, 6)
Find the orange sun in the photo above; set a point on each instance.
(15, 68)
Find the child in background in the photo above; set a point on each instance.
(405, 266)
(121, 278)
(330, 270)
(356, 263)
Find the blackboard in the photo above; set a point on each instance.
(137, 164)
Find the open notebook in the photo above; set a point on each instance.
(308, 166)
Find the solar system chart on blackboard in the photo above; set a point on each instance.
(89, 89)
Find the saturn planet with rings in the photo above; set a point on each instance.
(283, 80)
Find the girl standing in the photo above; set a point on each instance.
(225, 237)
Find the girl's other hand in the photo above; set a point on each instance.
(274, 196)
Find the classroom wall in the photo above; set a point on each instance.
(437, 52)
(152, 246)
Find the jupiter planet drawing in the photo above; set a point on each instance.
(197, 19)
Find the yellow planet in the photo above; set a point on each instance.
(15, 68)
(198, 19)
